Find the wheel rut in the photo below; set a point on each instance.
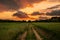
(23, 36)
(36, 34)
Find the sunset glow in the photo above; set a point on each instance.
(29, 9)
(39, 6)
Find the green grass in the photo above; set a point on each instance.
(49, 27)
(9, 30)
(30, 34)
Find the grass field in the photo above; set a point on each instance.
(49, 27)
(8, 31)
(11, 30)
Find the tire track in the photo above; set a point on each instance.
(37, 35)
(48, 35)
(30, 34)
(23, 36)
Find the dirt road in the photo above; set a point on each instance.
(36, 34)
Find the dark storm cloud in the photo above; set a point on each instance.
(10, 4)
(16, 4)
(21, 14)
(54, 13)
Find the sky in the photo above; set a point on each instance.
(28, 9)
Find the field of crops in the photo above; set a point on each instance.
(29, 31)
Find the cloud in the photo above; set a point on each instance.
(16, 4)
(54, 7)
(54, 13)
(53, 0)
(20, 14)
(2, 7)
(9, 4)
(34, 1)
(35, 13)
(43, 18)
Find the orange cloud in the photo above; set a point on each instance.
(21, 14)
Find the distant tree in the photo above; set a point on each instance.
(55, 19)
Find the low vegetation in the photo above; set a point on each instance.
(11, 30)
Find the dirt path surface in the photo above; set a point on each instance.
(36, 34)
(23, 36)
